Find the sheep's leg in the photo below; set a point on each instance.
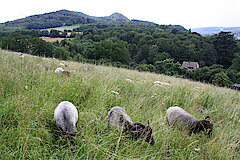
(167, 121)
(108, 126)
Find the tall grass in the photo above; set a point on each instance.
(29, 95)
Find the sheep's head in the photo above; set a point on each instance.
(139, 130)
(205, 125)
(208, 125)
(71, 134)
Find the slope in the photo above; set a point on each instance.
(29, 95)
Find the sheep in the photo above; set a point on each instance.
(66, 117)
(117, 117)
(42, 67)
(139, 131)
(61, 71)
(161, 83)
(62, 65)
(21, 55)
(178, 116)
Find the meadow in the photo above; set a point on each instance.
(49, 39)
(63, 28)
(29, 94)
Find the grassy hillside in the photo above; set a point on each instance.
(29, 95)
(63, 28)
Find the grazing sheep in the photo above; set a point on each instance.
(62, 65)
(21, 55)
(62, 71)
(139, 131)
(59, 70)
(117, 117)
(42, 67)
(66, 116)
(161, 83)
(178, 116)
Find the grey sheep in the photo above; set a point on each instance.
(176, 116)
(117, 117)
(66, 117)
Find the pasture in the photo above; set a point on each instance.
(29, 95)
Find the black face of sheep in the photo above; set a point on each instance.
(139, 130)
(204, 125)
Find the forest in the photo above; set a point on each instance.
(138, 45)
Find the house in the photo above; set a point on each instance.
(190, 65)
(235, 86)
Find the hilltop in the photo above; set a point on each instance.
(29, 95)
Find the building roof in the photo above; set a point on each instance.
(190, 65)
(235, 85)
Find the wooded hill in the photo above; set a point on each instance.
(63, 18)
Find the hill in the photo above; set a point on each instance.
(52, 19)
(29, 95)
(65, 18)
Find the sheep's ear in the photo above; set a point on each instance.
(208, 118)
(148, 123)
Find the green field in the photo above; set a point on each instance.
(29, 95)
(62, 28)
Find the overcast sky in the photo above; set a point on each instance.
(188, 13)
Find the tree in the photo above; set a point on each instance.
(60, 52)
(221, 79)
(206, 74)
(153, 50)
(161, 56)
(226, 47)
(208, 55)
(236, 63)
(168, 67)
(142, 54)
(146, 68)
(113, 49)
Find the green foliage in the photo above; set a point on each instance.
(113, 49)
(161, 56)
(226, 47)
(206, 74)
(168, 67)
(50, 20)
(146, 68)
(61, 53)
(221, 79)
(236, 62)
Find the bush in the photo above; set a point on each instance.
(222, 80)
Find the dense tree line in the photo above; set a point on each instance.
(153, 48)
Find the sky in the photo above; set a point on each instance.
(188, 13)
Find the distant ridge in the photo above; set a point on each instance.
(207, 31)
(61, 18)
(67, 18)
